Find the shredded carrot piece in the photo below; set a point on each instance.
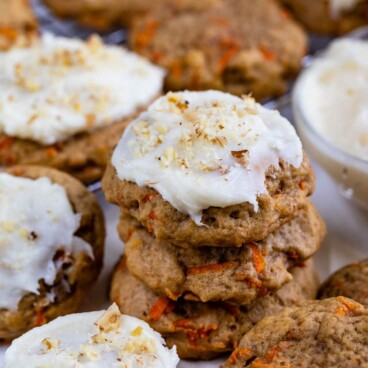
(267, 54)
(194, 334)
(6, 142)
(159, 307)
(156, 56)
(285, 13)
(152, 216)
(148, 197)
(243, 353)
(211, 267)
(9, 33)
(184, 323)
(302, 185)
(122, 264)
(150, 228)
(143, 38)
(257, 258)
(346, 307)
(40, 317)
(176, 70)
(226, 57)
(51, 152)
(341, 310)
(272, 353)
(256, 364)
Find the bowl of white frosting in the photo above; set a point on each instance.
(330, 103)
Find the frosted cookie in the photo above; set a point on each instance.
(236, 275)
(65, 102)
(329, 16)
(205, 330)
(18, 24)
(350, 281)
(217, 49)
(51, 247)
(93, 340)
(321, 334)
(104, 14)
(209, 169)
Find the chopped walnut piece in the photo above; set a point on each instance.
(50, 343)
(110, 320)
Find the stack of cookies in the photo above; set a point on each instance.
(214, 212)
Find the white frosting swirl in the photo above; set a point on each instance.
(203, 149)
(334, 95)
(93, 340)
(59, 87)
(36, 220)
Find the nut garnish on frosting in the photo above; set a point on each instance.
(36, 221)
(94, 340)
(59, 87)
(203, 149)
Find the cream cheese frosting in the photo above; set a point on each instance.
(59, 87)
(339, 6)
(203, 149)
(36, 220)
(93, 340)
(334, 94)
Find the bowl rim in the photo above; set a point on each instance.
(358, 34)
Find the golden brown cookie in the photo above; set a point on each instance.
(104, 14)
(350, 281)
(205, 330)
(321, 334)
(66, 102)
(17, 23)
(224, 227)
(84, 156)
(76, 272)
(241, 46)
(235, 275)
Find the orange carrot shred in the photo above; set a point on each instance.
(148, 197)
(267, 54)
(226, 57)
(122, 264)
(51, 152)
(347, 306)
(40, 317)
(152, 216)
(257, 258)
(176, 70)
(256, 364)
(9, 33)
(144, 37)
(243, 353)
(6, 142)
(159, 307)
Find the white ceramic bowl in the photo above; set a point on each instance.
(348, 171)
